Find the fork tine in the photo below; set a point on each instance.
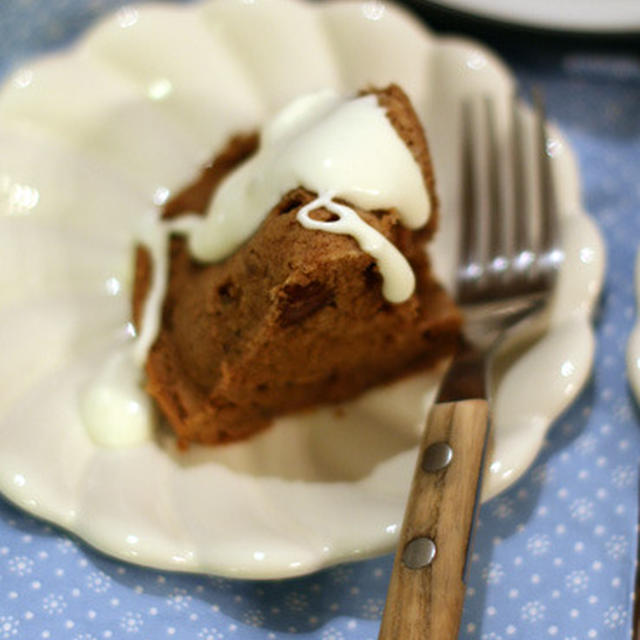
(502, 259)
(522, 234)
(470, 228)
(497, 217)
(548, 210)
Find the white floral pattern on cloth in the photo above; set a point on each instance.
(553, 556)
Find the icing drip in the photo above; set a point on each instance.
(115, 409)
(155, 237)
(398, 280)
(322, 143)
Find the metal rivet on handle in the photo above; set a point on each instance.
(437, 456)
(419, 553)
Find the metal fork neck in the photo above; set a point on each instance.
(467, 376)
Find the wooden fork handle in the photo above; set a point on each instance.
(425, 602)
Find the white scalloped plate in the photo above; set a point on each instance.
(633, 346)
(91, 139)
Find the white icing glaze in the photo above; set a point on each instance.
(334, 147)
(325, 144)
(115, 409)
(398, 280)
(154, 235)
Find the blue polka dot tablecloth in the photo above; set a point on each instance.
(554, 556)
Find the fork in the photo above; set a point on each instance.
(506, 276)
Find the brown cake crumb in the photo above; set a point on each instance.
(295, 317)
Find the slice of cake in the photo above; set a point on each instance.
(324, 296)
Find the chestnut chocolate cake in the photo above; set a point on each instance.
(295, 317)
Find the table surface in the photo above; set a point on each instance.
(554, 556)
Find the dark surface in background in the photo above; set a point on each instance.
(541, 51)
(509, 38)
